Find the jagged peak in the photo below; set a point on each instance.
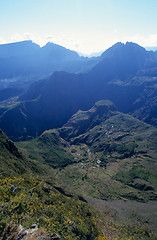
(119, 47)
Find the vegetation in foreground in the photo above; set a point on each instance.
(28, 201)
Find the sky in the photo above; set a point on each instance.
(86, 26)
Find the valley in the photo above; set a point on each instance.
(83, 164)
(113, 162)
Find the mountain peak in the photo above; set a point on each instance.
(120, 61)
(127, 48)
(56, 54)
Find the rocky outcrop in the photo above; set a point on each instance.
(14, 232)
(83, 121)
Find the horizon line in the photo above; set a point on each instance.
(91, 54)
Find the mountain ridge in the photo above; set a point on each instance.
(27, 59)
(62, 94)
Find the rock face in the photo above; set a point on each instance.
(15, 232)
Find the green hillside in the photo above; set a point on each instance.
(48, 150)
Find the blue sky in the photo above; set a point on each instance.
(83, 25)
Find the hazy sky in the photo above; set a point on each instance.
(83, 25)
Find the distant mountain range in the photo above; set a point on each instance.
(126, 74)
(22, 61)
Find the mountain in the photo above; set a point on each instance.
(120, 61)
(145, 106)
(16, 59)
(21, 62)
(125, 74)
(97, 156)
